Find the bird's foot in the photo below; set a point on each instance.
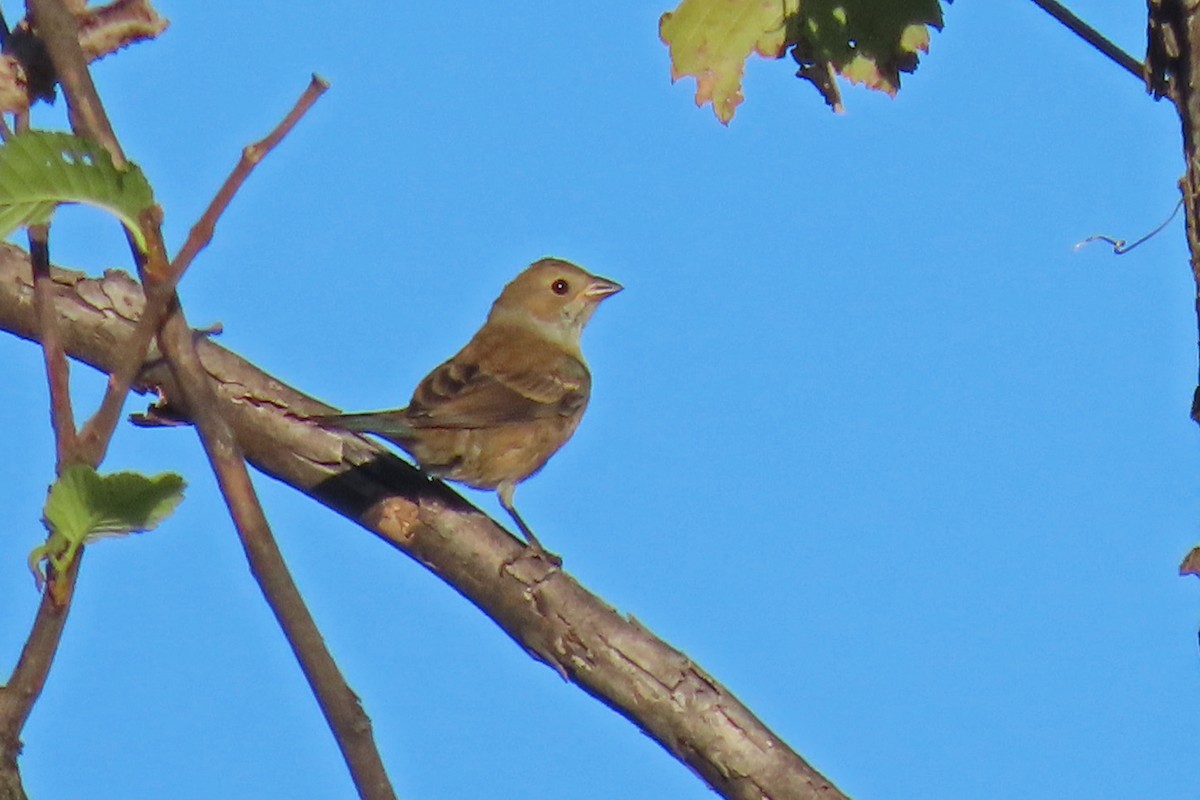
(531, 553)
(534, 549)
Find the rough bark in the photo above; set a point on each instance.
(1173, 71)
(543, 609)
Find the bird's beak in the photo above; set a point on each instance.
(601, 288)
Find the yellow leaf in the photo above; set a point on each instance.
(710, 40)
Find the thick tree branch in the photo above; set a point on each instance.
(1173, 69)
(542, 608)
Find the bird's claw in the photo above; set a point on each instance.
(534, 549)
(533, 552)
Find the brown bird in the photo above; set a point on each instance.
(493, 414)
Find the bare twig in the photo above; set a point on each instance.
(202, 232)
(29, 675)
(349, 724)
(98, 430)
(58, 371)
(341, 706)
(18, 696)
(1093, 37)
(57, 27)
(23, 688)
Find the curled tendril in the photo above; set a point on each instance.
(1119, 246)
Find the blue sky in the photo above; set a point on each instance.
(868, 440)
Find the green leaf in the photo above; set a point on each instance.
(40, 169)
(865, 41)
(711, 40)
(84, 506)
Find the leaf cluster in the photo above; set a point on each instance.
(868, 42)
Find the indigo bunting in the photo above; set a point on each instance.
(493, 414)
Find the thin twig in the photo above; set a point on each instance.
(23, 688)
(202, 232)
(341, 707)
(98, 430)
(21, 693)
(18, 696)
(29, 675)
(350, 725)
(59, 30)
(57, 27)
(1093, 37)
(58, 370)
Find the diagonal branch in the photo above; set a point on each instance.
(24, 686)
(58, 28)
(1092, 37)
(28, 677)
(544, 610)
(98, 431)
(350, 725)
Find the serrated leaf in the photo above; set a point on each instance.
(711, 40)
(84, 506)
(865, 41)
(40, 169)
(869, 42)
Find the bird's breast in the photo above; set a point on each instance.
(485, 457)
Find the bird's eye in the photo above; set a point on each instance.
(560, 286)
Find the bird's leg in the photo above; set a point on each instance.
(525, 531)
(505, 492)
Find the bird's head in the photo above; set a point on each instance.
(554, 297)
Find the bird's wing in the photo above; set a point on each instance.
(484, 387)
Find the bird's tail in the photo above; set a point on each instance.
(390, 424)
